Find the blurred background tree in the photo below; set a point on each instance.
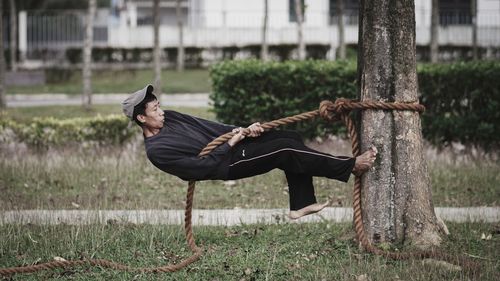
(2, 61)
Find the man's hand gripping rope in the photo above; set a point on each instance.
(253, 130)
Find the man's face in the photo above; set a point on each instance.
(154, 115)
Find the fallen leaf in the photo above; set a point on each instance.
(231, 233)
(230, 183)
(75, 205)
(363, 277)
(486, 237)
(248, 271)
(59, 259)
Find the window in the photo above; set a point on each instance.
(455, 12)
(351, 12)
(293, 13)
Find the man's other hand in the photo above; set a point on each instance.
(240, 134)
(255, 130)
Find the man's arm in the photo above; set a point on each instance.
(190, 168)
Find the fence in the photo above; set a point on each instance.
(45, 32)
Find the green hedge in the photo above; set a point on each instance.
(248, 91)
(45, 132)
(462, 103)
(462, 99)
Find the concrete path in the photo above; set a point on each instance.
(28, 100)
(218, 217)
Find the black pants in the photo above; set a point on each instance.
(285, 150)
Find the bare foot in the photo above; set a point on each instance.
(311, 209)
(365, 161)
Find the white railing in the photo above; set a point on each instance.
(58, 30)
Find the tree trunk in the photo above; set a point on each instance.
(333, 46)
(264, 52)
(396, 197)
(475, 54)
(156, 47)
(13, 33)
(340, 15)
(87, 56)
(300, 21)
(434, 31)
(3, 103)
(180, 47)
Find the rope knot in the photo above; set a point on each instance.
(331, 111)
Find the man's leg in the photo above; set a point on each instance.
(272, 150)
(300, 190)
(285, 150)
(301, 194)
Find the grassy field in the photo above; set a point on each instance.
(319, 251)
(25, 114)
(123, 178)
(125, 81)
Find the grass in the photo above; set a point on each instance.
(125, 81)
(471, 184)
(26, 114)
(123, 178)
(319, 251)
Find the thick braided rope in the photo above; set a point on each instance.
(118, 266)
(328, 110)
(340, 111)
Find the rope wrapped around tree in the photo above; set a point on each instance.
(331, 111)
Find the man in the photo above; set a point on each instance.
(173, 141)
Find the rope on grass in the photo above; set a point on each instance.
(332, 111)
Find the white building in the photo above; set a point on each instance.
(212, 24)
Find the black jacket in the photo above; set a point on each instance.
(176, 147)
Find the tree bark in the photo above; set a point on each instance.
(180, 47)
(340, 15)
(3, 103)
(475, 54)
(156, 47)
(396, 197)
(264, 52)
(87, 56)
(434, 32)
(13, 34)
(300, 35)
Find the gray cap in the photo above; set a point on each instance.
(134, 99)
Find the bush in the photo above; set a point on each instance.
(248, 91)
(462, 99)
(44, 132)
(462, 103)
